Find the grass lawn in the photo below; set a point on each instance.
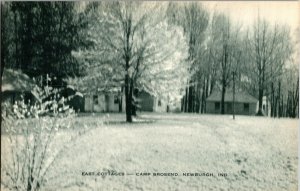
(256, 153)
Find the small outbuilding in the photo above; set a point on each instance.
(244, 103)
(16, 86)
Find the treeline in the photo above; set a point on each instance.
(38, 37)
(258, 57)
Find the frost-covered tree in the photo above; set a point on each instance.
(268, 48)
(194, 18)
(134, 47)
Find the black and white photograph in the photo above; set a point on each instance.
(150, 95)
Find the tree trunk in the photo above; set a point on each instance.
(203, 99)
(267, 105)
(295, 100)
(198, 98)
(182, 104)
(279, 99)
(223, 99)
(128, 99)
(133, 100)
(190, 99)
(3, 48)
(272, 100)
(121, 101)
(212, 83)
(186, 99)
(16, 41)
(233, 96)
(288, 105)
(260, 100)
(206, 94)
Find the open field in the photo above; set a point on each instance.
(256, 153)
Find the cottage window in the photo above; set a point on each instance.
(95, 100)
(116, 99)
(159, 103)
(217, 105)
(246, 107)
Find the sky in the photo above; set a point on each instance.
(247, 11)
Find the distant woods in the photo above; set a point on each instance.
(165, 48)
(259, 57)
(38, 37)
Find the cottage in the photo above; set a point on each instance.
(114, 101)
(244, 104)
(16, 86)
(104, 101)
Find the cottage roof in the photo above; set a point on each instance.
(101, 90)
(16, 81)
(239, 97)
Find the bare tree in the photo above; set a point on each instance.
(268, 49)
(226, 44)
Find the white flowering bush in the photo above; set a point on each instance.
(32, 141)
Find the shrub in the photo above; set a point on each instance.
(29, 131)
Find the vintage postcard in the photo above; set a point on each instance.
(150, 95)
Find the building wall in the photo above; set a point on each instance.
(146, 101)
(112, 106)
(159, 105)
(87, 103)
(238, 108)
(210, 107)
(151, 103)
(106, 103)
(175, 107)
(123, 103)
(93, 105)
